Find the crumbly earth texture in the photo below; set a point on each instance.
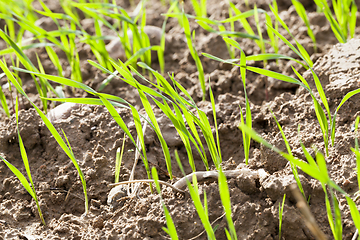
(94, 137)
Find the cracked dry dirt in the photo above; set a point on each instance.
(94, 137)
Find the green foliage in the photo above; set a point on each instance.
(344, 22)
(281, 210)
(274, 41)
(28, 186)
(195, 196)
(3, 99)
(49, 125)
(318, 171)
(302, 13)
(192, 124)
(226, 202)
(241, 17)
(171, 230)
(119, 156)
(189, 39)
(288, 148)
(199, 7)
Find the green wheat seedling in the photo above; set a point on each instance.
(356, 149)
(128, 62)
(231, 49)
(118, 160)
(300, 51)
(206, 23)
(242, 62)
(195, 196)
(199, 7)
(274, 41)
(107, 100)
(182, 114)
(42, 35)
(241, 17)
(281, 210)
(98, 46)
(246, 138)
(96, 43)
(3, 99)
(49, 125)
(323, 121)
(181, 118)
(22, 46)
(160, 53)
(215, 121)
(140, 40)
(23, 8)
(44, 87)
(327, 123)
(261, 40)
(357, 154)
(226, 202)
(189, 39)
(293, 167)
(171, 229)
(66, 42)
(145, 41)
(161, 50)
(28, 186)
(68, 35)
(335, 224)
(343, 24)
(318, 171)
(302, 13)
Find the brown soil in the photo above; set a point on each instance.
(95, 136)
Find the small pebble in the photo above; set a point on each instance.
(346, 182)
(63, 111)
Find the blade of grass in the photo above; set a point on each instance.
(51, 129)
(301, 52)
(281, 210)
(26, 164)
(3, 99)
(302, 13)
(119, 156)
(189, 39)
(333, 122)
(261, 41)
(307, 168)
(23, 181)
(197, 201)
(171, 229)
(212, 100)
(153, 119)
(357, 149)
(293, 167)
(226, 202)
